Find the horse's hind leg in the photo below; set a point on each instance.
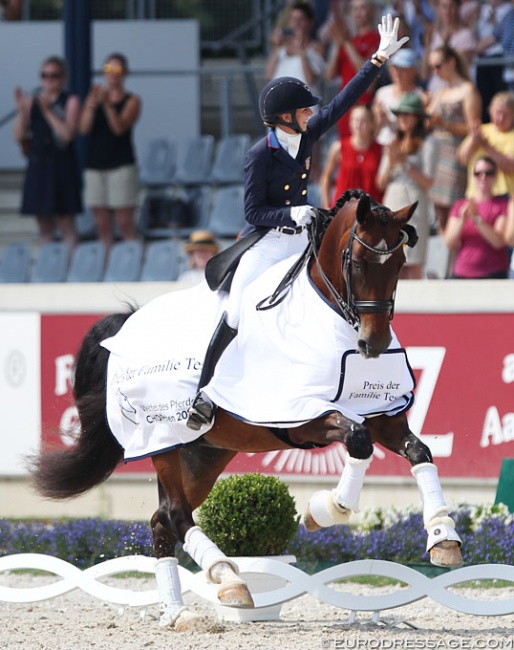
(173, 522)
(329, 507)
(443, 541)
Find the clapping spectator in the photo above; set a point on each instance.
(350, 51)
(46, 125)
(405, 176)
(489, 78)
(476, 228)
(353, 161)
(403, 68)
(295, 52)
(495, 140)
(108, 117)
(452, 110)
(447, 30)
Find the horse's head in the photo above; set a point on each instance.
(360, 258)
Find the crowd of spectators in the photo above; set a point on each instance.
(437, 128)
(441, 119)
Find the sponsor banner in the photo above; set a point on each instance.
(19, 389)
(464, 411)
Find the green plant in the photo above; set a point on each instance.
(249, 514)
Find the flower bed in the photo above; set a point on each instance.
(487, 534)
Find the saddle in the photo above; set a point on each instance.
(220, 269)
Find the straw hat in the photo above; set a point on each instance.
(410, 103)
(201, 240)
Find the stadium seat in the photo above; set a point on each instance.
(159, 163)
(227, 217)
(162, 259)
(124, 262)
(51, 264)
(194, 161)
(229, 159)
(15, 263)
(87, 262)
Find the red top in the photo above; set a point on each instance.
(366, 45)
(358, 170)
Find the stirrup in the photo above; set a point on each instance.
(201, 412)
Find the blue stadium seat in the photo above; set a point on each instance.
(194, 161)
(158, 163)
(229, 160)
(124, 262)
(162, 260)
(87, 262)
(227, 217)
(15, 262)
(51, 264)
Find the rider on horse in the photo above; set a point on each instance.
(276, 179)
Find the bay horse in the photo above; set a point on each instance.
(355, 257)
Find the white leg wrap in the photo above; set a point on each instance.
(325, 511)
(168, 587)
(349, 489)
(429, 487)
(205, 552)
(441, 529)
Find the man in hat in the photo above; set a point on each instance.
(200, 247)
(277, 173)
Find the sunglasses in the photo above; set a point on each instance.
(50, 75)
(484, 172)
(437, 66)
(113, 68)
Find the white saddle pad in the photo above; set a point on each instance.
(287, 365)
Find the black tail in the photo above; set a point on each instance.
(66, 473)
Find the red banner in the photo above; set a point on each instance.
(464, 367)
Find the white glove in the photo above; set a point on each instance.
(389, 43)
(302, 214)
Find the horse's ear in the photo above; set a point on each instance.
(406, 213)
(363, 208)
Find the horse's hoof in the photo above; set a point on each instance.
(236, 594)
(446, 554)
(186, 621)
(309, 522)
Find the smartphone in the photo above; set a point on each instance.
(287, 31)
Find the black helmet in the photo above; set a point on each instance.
(284, 95)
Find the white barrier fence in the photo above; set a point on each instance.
(296, 583)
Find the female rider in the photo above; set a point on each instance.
(276, 177)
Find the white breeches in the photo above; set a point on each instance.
(274, 247)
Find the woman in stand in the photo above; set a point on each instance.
(48, 122)
(355, 159)
(108, 117)
(452, 110)
(405, 175)
(476, 229)
(277, 173)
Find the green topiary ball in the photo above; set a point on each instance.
(249, 514)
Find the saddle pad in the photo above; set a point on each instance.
(297, 361)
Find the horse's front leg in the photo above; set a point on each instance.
(443, 541)
(174, 521)
(329, 507)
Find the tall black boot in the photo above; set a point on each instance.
(202, 409)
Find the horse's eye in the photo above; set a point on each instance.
(356, 264)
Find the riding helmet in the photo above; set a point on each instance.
(284, 95)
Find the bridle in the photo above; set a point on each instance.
(351, 308)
